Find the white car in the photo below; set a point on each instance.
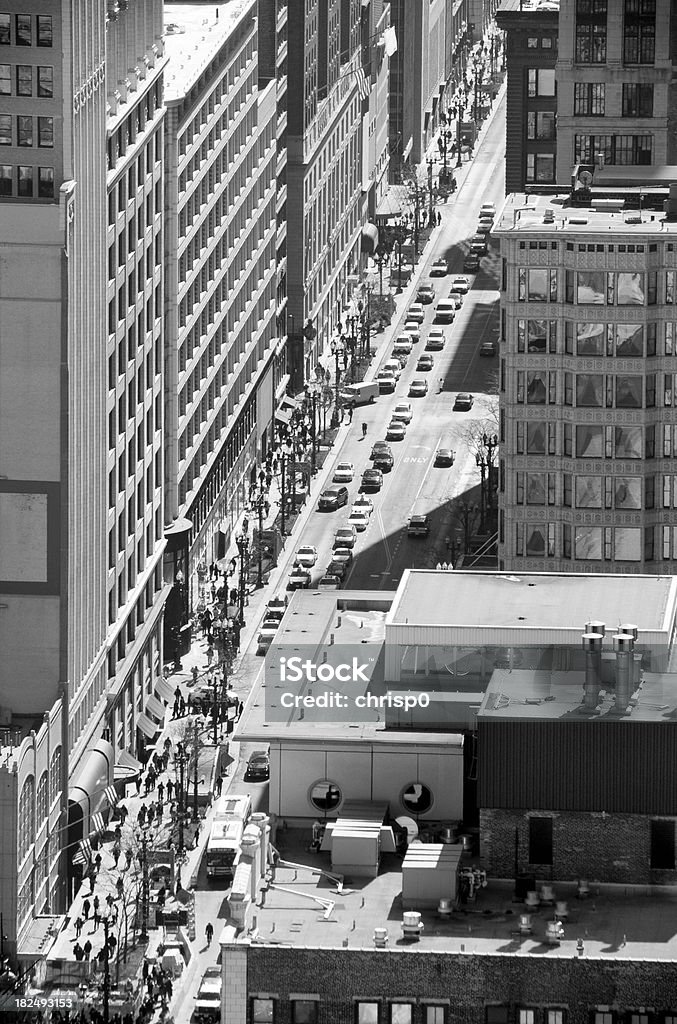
(487, 210)
(344, 473)
(460, 284)
(413, 330)
(416, 312)
(306, 556)
(403, 412)
(456, 298)
(364, 503)
(484, 226)
(393, 366)
(359, 518)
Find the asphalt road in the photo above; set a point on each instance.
(383, 551)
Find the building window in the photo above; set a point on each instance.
(540, 844)
(55, 776)
(24, 126)
(4, 30)
(26, 832)
(496, 1015)
(5, 130)
(589, 98)
(614, 149)
(525, 1016)
(591, 30)
(588, 543)
(417, 798)
(41, 800)
(24, 80)
(437, 1015)
(540, 167)
(639, 32)
(6, 171)
(637, 100)
(541, 124)
(555, 1017)
(401, 1013)
(46, 182)
(45, 81)
(44, 30)
(304, 1011)
(541, 81)
(46, 132)
(263, 1011)
(366, 1012)
(23, 30)
(25, 181)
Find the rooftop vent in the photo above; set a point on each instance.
(634, 218)
(548, 216)
(578, 220)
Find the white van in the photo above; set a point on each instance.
(360, 394)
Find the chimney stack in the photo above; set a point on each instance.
(624, 644)
(592, 645)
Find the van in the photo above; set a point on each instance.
(360, 394)
(394, 367)
(403, 345)
(445, 312)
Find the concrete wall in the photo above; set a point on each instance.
(597, 846)
(366, 772)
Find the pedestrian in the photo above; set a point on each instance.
(364, 430)
(86, 906)
(177, 692)
(209, 932)
(170, 988)
(97, 862)
(128, 858)
(197, 837)
(142, 815)
(116, 853)
(78, 951)
(97, 919)
(78, 926)
(123, 812)
(219, 786)
(87, 949)
(161, 790)
(210, 654)
(194, 673)
(138, 785)
(112, 943)
(165, 760)
(96, 902)
(120, 886)
(151, 990)
(118, 833)
(150, 815)
(240, 709)
(170, 789)
(114, 914)
(159, 809)
(182, 706)
(175, 714)
(439, 218)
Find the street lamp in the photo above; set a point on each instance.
(490, 442)
(312, 389)
(481, 463)
(338, 351)
(242, 542)
(430, 163)
(142, 838)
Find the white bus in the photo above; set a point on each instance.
(225, 836)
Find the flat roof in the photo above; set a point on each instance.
(519, 694)
(525, 212)
(193, 35)
(528, 8)
(615, 924)
(490, 600)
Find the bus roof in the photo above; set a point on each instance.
(238, 806)
(225, 833)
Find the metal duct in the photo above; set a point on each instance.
(624, 644)
(592, 645)
(595, 627)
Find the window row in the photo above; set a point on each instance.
(585, 543)
(595, 287)
(585, 441)
(639, 31)
(134, 125)
(636, 99)
(28, 30)
(25, 130)
(25, 182)
(29, 80)
(615, 150)
(592, 491)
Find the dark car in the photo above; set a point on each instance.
(337, 569)
(372, 479)
(419, 526)
(464, 402)
(425, 293)
(333, 498)
(258, 766)
(471, 263)
(425, 362)
(445, 456)
(380, 446)
(384, 461)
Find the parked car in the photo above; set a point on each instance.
(333, 498)
(384, 461)
(329, 582)
(380, 446)
(359, 517)
(393, 366)
(416, 312)
(418, 389)
(444, 456)
(403, 345)
(445, 312)
(299, 578)
(425, 293)
(372, 479)
(464, 402)
(263, 641)
(439, 268)
(345, 537)
(337, 568)
(460, 284)
(484, 227)
(386, 382)
(365, 503)
(418, 526)
(488, 348)
(306, 556)
(396, 430)
(488, 210)
(208, 999)
(471, 263)
(425, 361)
(435, 342)
(258, 767)
(403, 411)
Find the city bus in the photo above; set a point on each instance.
(225, 836)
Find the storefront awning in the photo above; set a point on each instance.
(89, 786)
(164, 689)
(147, 727)
(126, 767)
(156, 709)
(369, 238)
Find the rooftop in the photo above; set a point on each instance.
(614, 924)
(547, 213)
(538, 601)
(537, 695)
(528, 8)
(193, 35)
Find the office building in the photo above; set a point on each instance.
(225, 361)
(531, 37)
(615, 94)
(587, 383)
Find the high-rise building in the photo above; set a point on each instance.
(588, 383)
(224, 357)
(326, 96)
(615, 90)
(80, 421)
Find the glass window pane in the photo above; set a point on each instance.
(538, 285)
(5, 80)
(367, 1013)
(400, 1013)
(6, 179)
(24, 80)
(45, 81)
(589, 442)
(630, 290)
(46, 182)
(535, 438)
(588, 542)
(589, 390)
(629, 340)
(25, 131)
(4, 30)
(44, 30)
(536, 387)
(535, 488)
(628, 492)
(628, 442)
(535, 541)
(25, 181)
(588, 492)
(537, 332)
(262, 1011)
(629, 392)
(46, 132)
(589, 339)
(628, 544)
(23, 30)
(591, 287)
(304, 1011)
